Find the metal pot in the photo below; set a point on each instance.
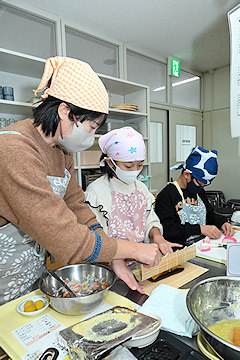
(213, 300)
(76, 305)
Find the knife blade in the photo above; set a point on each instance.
(213, 245)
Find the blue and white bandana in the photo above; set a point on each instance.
(201, 163)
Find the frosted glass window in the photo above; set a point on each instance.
(156, 142)
(185, 141)
(102, 56)
(146, 71)
(186, 90)
(27, 34)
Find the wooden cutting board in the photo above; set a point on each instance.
(190, 272)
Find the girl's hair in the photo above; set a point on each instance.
(106, 168)
(46, 114)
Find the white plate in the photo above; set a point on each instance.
(20, 307)
(146, 336)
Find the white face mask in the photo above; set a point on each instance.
(78, 140)
(128, 177)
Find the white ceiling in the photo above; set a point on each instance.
(194, 31)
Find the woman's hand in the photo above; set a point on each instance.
(228, 229)
(211, 231)
(165, 246)
(124, 273)
(148, 254)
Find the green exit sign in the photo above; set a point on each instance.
(173, 67)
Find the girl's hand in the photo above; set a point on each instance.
(228, 229)
(165, 246)
(211, 231)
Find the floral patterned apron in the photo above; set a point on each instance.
(191, 213)
(128, 217)
(22, 259)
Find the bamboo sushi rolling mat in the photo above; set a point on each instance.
(170, 261)
(128, 107)
(190, 272)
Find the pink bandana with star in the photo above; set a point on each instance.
(124, 144)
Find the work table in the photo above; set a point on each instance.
(215, 269)
(120, 288)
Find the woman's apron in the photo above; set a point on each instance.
(22, 259)
(193, 214)
(128, 217)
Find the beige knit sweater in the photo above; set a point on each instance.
(27, 200)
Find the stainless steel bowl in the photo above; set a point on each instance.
(213, 300)
(77, 305)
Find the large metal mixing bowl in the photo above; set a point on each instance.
(77, 305)
(213, 300)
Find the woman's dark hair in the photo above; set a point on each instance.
(106, 168)
(46, 114)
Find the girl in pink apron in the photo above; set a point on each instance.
(122, 204)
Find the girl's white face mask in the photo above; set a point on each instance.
(128, 177)
(78, 140)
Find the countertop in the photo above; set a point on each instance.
(215, 269)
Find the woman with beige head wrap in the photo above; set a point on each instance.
(41, 204)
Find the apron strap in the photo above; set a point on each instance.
(180, 190)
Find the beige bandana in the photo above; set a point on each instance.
(73, 81)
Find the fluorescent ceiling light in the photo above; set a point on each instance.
(186, 81)
(178, 83)
(160, 88)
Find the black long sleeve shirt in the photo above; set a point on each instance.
(166, 208)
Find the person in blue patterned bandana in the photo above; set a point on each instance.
(183, 207)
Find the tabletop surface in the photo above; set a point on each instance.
(215, 269)
(9, 311)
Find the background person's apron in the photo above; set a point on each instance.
(22, 259)
(193, 214)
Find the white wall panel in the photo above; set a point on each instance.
(185, 141)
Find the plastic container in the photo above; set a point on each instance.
(8, 93)
(145, 179)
